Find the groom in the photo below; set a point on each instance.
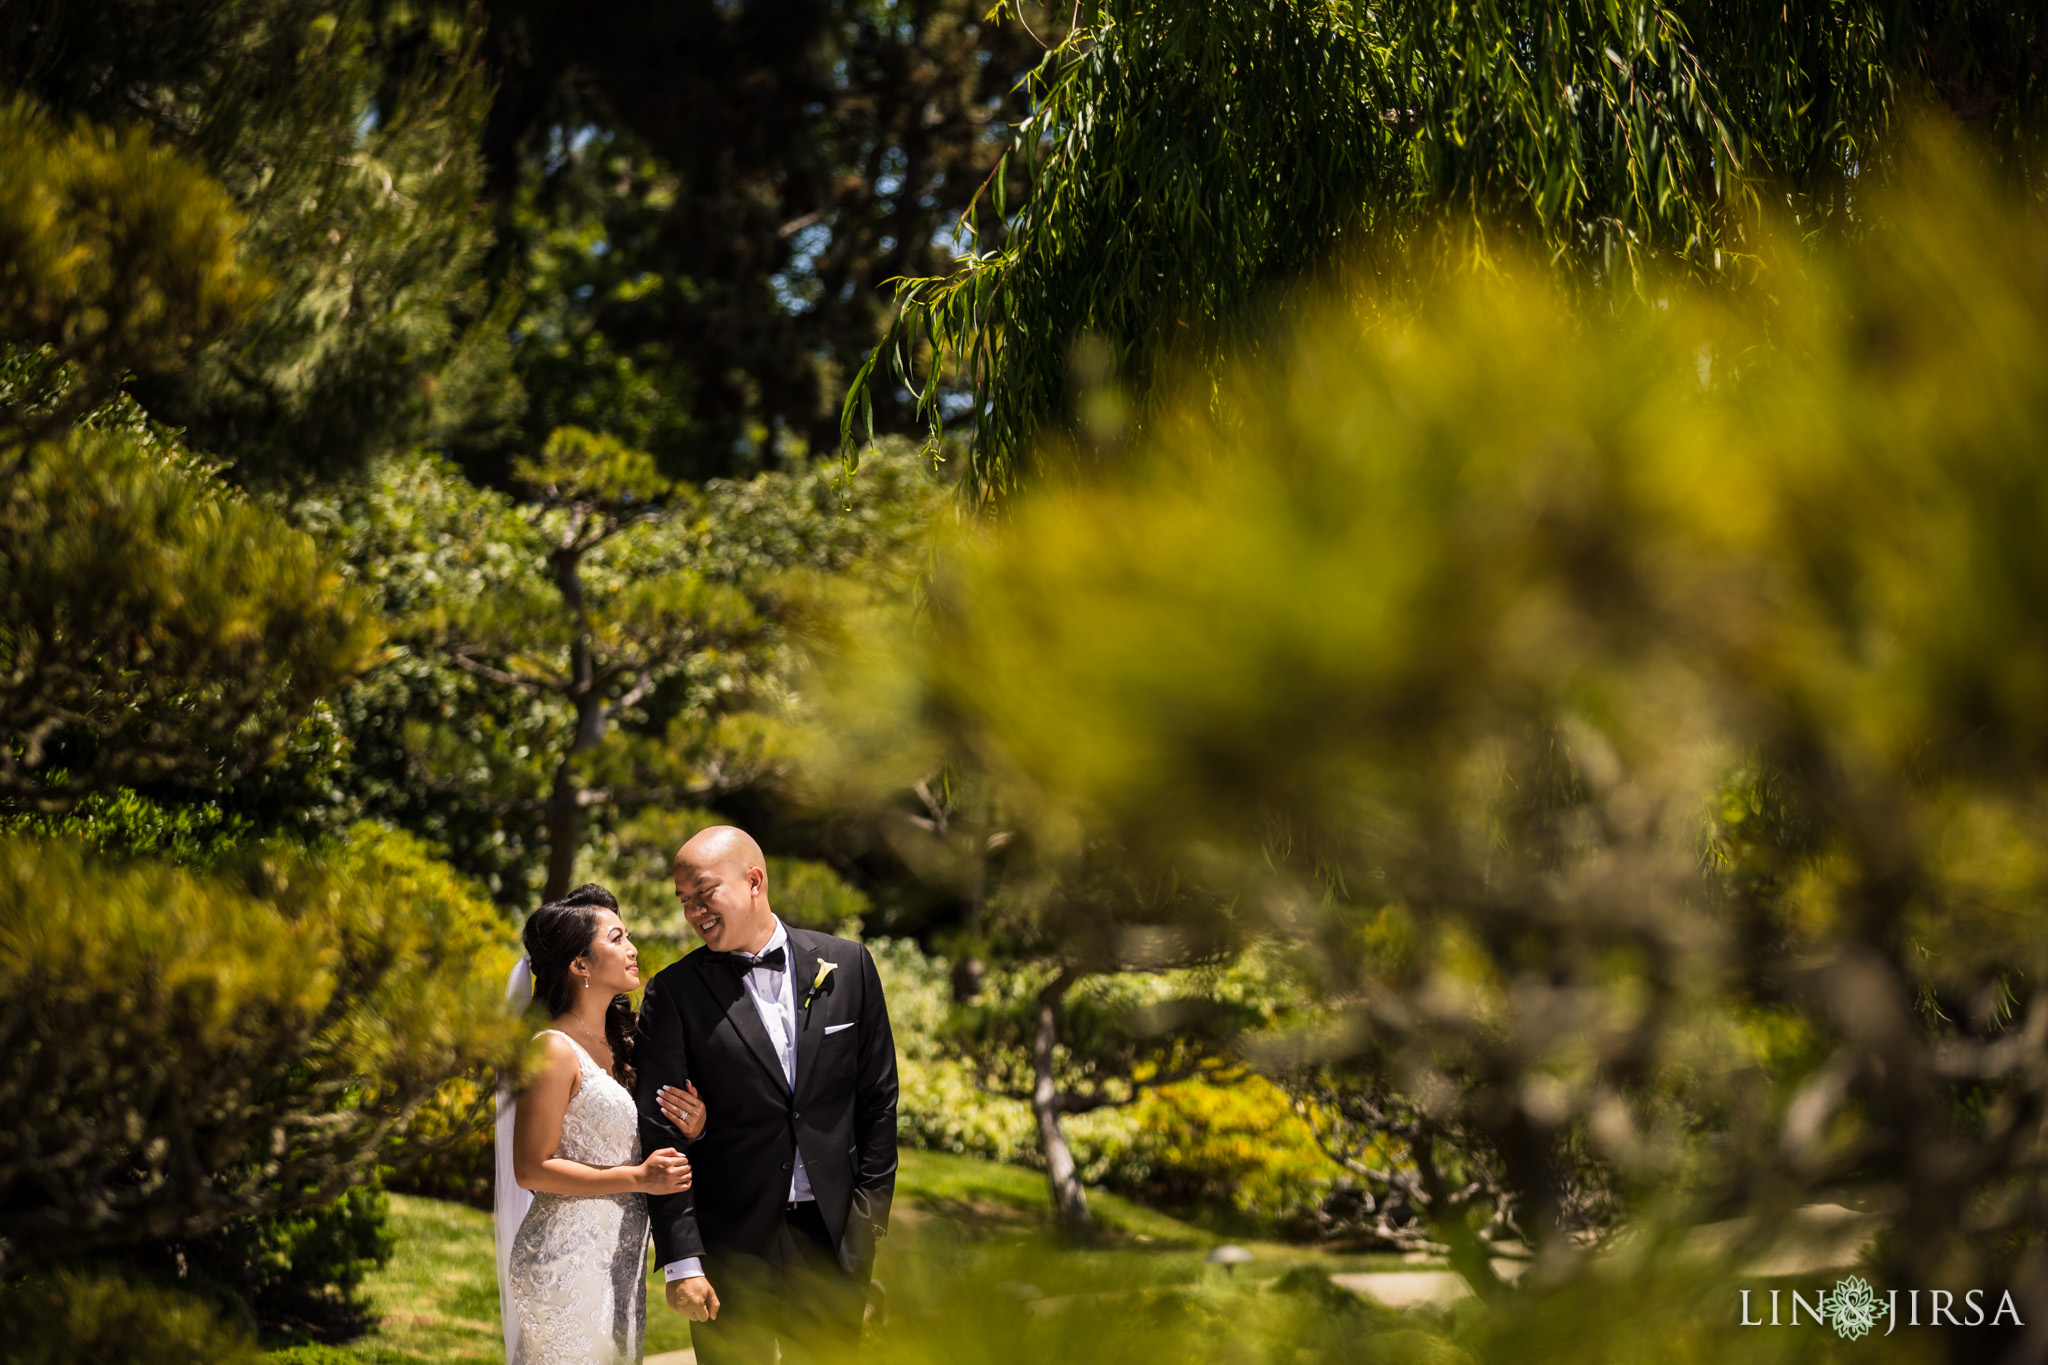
(786, 1038)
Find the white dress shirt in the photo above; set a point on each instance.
(774, 997)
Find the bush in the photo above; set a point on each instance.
(184, 1052)
(74, 1319)
(121, 253)
(1235, 1147)
(449, 1153)
(939, 1105)
(288, 1274)
(156, 625)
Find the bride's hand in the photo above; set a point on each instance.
(665, 1172)
(685, 1109)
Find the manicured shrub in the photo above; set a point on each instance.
(289, 1274)
(1238, 1146)
(181, 1052)
(156, 624)
(75, 1319)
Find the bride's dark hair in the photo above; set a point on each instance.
(556, 935)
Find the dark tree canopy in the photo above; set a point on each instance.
(347, 136)
(721, 191)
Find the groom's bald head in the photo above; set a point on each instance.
(722, 881)
(721, 846)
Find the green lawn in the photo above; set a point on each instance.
(438, 1298)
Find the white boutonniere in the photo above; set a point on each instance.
(825, 970)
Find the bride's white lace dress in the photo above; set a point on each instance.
(578, 1273)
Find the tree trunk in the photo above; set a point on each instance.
(564, 824)
(564, 818)
(1069, 1199)
(1469, 1255)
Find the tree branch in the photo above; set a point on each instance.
(536, 686)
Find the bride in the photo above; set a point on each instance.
(574, 1275)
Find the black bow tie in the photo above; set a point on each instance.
(773, 960)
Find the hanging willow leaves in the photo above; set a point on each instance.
(1187, 161)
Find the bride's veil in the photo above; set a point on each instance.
(510, 1200)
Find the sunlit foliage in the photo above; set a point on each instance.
(1439, 648)
(1187, 161)
(119, 255)
(154, 623)
(344, 134)
(187, 1051)
(690, 599)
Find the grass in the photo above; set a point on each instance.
(984, 1203)
(438, 1298)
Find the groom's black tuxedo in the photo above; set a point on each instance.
(697, 1023)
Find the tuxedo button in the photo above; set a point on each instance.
(787, 1164)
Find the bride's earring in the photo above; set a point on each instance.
(586, 983)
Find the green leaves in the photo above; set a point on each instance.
(154, 624)
(183, 1051)
(1161, 139)
(585, 467)
(1193, 165)
(116, 253)
(347, 134)
(677, 636)
(1433, 638)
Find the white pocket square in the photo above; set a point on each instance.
(834, 1028)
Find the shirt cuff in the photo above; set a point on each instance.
(689, 1268)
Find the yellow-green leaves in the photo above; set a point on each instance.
(1472, 607)
(1360, 567)
(155, 624)
(187, 1050)
(587, 466)
(114, 250)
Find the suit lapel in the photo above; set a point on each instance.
(726, 988)
(804, 959)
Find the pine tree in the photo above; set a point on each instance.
(154, 623)
(347, 137)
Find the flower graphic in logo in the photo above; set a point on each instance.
(1853, 1308)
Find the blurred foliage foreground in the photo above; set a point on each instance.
(186, 1053)
(204, 1071)
(1632, 722)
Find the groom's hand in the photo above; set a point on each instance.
(694, 1298)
